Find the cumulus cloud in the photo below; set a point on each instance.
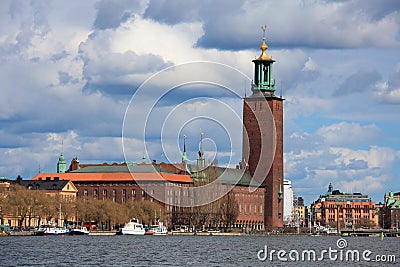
(389, 92)
(319, 24)
(68, 68)
(358, 82)
(120, 69)
(367, 171)
(350, 134)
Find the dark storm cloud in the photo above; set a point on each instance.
(375, 9)
(173, 12)
(187, 92)
(358, 82)
(110, 73)
(111, 89)
(110, 14)
(310, 24)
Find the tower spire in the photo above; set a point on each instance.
(184, 156)
(263, 77)
(201, 153)
(144, 159)
(264, 46)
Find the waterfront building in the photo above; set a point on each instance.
(55, 187)
(248, 197)
(392, 195)
(351, 210)
(259, 194)
(288, 202)
(299, 212)
(52, 186)
(263, 137)
(125, 182)
(389, 214)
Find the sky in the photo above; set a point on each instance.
(111, 81)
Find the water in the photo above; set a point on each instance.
(181, 250)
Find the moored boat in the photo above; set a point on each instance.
(51, 230)
(133, 227)
(157, 229)
(79, 231)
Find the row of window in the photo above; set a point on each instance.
(114, 192)
(248, 209)
(251, 195)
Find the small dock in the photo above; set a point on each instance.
(102, 233)
(370, 232)
(204, 233)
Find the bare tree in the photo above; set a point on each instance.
(229, 209)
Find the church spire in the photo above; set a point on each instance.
(184, 156)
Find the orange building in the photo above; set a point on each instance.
(351, 210)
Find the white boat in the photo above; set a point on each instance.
(157, 229)
(49, 230)
(330, 231)
(79, 231)
(133, 227)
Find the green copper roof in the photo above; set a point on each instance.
(396, 205)
(232, 176)
(61, 159)
(112, 169)
(61, 164)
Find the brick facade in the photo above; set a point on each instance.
(264, 138)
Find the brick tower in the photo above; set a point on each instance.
(263, 137)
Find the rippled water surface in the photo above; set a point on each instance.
(186, 250)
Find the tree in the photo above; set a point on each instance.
(365, 223)
(19, 201)
(229, 209)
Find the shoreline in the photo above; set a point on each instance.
(348, 233)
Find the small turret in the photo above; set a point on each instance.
(330, 189)
(61, 164)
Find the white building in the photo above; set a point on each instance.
(287, 201)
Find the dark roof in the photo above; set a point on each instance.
(336, 192)
(43, 184)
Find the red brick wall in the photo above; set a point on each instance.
(251, 205)
(260, 149)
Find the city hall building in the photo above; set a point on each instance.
(257, 182)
